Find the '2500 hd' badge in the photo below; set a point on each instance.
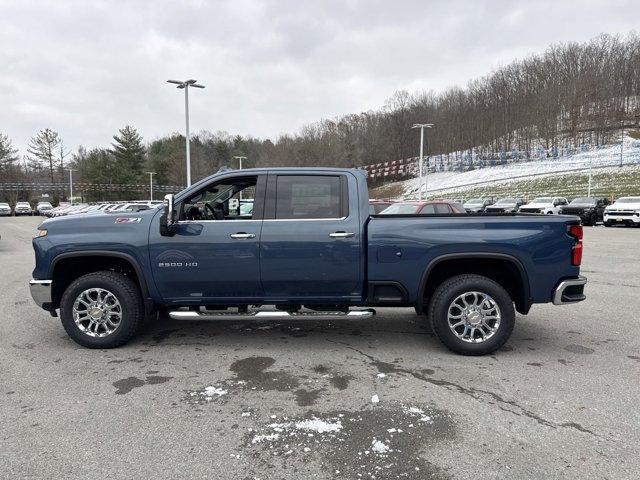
(176, 258)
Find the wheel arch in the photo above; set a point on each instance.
(72, 265)
(503, 266)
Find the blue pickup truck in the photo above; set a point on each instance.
(304, 245)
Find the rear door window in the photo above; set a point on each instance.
(308, 196)
(442, 208)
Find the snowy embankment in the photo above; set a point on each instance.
(442, 183)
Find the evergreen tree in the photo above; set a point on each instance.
(8, 155)
(129, 153)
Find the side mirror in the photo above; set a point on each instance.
(167, 220)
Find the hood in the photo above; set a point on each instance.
(502, 205)
(623, 206)
(94, 224)
(579, 205)
(537, 205)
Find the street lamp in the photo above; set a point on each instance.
(240, 158)
(422, 126)
(185, 85)
(151, 174)
(71, 170)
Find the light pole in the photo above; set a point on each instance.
(151, 174)
(185, 85)
(240, 158)
(71, 170)
(422, 126)
(589, 188)
(622, 141)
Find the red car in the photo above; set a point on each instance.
(424, 207)
(377, 206)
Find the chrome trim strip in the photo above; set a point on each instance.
(204, 315)
(263, 220)
(562, 286)
(40, 291)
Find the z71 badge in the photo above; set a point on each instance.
(128, 220)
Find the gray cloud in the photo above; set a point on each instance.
(88, 68)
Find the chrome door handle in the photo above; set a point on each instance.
(342, 234)
(242, 235)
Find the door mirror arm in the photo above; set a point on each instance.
(168, 220)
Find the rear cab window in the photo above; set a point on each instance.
(305, 197)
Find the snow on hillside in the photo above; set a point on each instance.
(607, 156)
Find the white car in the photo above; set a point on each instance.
(5, 210)
(477, 205)
(22, 208)
(547, 205)
(43, 207)
(625, 211)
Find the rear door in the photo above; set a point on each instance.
(310, 246)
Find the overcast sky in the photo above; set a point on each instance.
(86, 68)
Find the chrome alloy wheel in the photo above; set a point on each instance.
(474, 317)
(97, 312)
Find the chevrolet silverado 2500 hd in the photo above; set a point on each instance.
(308, 247)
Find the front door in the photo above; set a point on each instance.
(214, 254)
(310, 245)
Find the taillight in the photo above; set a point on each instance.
(576, 252)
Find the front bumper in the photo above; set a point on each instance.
(41, 293)
(627, 219)
(570, 290)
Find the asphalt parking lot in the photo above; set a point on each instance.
(297, 400)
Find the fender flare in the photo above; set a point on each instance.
(104, 253)
(526, 304)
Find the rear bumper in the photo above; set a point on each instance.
(41, 293)
(570, 290)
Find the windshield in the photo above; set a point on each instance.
(542, 200)
(583, 201)
(506, 200)
(628, 200)
(400, 208)
(475, 200)
(22, 204)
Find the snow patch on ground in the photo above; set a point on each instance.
(214, 391)
(379, 447)
(311, 425)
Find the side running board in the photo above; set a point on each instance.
(268, 315)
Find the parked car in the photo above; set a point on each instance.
(505, 205)
(625, 211)
(477, 205)
(43, 207)
(377, 206)
(5, 210)
(548, 205)
(426, 207)
(471, 273)
(589, 209)
(22, 208)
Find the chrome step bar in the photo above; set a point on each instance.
(268, 315)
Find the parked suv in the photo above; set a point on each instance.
(625, 211)
(22, 208)
(505, 205)
(43, 207)
(5, 210)
(548, 205)
(476, 205)
(589, 209)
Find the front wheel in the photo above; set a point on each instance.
(472, 314)
(102, 309)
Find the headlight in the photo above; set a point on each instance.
(41, 233)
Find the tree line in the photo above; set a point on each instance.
(570, 95)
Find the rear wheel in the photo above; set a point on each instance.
(472, 314)
(102, 310)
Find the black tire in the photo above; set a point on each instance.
(126, 292)
(448, 291)
(594, 220)
(607, 224)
